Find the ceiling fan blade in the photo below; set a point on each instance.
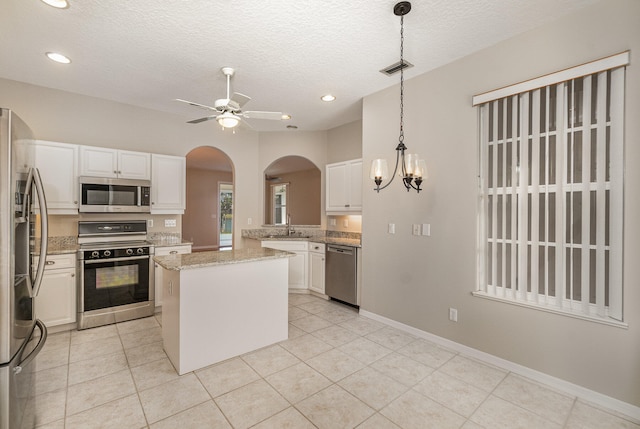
(254, 114)
(197, 121)
(245, 124)
(203, 106)
(241, 99)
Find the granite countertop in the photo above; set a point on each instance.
(315, 235)
(163, 242)
(58, 245)
(209, 259)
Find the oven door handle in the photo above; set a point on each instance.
(104, 261)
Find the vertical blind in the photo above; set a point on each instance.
(551, 170)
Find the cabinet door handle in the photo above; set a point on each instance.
(73, 275)
(347, 205)
(115, 172)
(173, 252)
(50, 262)
(170, 287)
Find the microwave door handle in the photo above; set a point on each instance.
(139, 196)
(44, 229)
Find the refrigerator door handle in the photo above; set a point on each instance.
(34, 174)
(43, 338)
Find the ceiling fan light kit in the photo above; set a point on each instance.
(229, 113)
(228, 120)
(413, 170)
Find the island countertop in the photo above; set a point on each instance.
(189, 261)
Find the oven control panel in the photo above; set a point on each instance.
(115, 253)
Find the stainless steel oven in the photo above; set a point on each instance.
(116, 281)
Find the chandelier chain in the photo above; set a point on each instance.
(401, 137)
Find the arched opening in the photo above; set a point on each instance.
(208, 218)
(292, 188)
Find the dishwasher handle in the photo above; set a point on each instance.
(343, 250)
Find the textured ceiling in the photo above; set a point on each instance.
(287, 53)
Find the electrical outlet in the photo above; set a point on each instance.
(416, 229)
(149, 223)
(168, 223)
(332, 222)
(249, 221)
(392, 228)
(453, 314)
(345, 223)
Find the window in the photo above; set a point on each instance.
(551, 172)
(279, 199)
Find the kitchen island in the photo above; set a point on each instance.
(222, 304)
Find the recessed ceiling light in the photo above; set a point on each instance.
(286, 117)
(328, 97)
(59, 58)
(60, 4)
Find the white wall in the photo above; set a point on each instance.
(414, 280)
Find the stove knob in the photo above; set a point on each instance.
(140, 251)
(95, 254)
(129, 251)
(106, 253)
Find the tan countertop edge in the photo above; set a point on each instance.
(188, 261)
(353, 242)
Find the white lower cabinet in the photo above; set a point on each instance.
(316, 267)
(298, 265)
(56, 301)
(163, 251)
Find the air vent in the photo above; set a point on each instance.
(396, 67)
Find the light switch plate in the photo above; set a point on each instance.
(149, 223)
(392, 228)
(168, 223)
(426, 229)
(416, 229)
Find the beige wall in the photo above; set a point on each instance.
(71, 118)
(200, 222)
(344, 142)
(414, 279)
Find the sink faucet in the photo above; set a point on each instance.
(290, 230)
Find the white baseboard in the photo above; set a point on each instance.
(630, 411)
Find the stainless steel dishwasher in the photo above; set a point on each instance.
(340, 273)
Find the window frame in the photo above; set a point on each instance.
(520, 296)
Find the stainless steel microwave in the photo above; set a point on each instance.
(110, 195)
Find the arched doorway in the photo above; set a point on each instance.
(292, 190)
(208, 218)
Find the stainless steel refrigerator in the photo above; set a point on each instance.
(23, 234)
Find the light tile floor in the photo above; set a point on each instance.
(336, 370)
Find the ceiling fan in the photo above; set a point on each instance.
(228, 110)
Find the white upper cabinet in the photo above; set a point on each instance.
(168, 184)
(105, 162)
(58, 165)
(344, 187)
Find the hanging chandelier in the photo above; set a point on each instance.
(413, 170)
